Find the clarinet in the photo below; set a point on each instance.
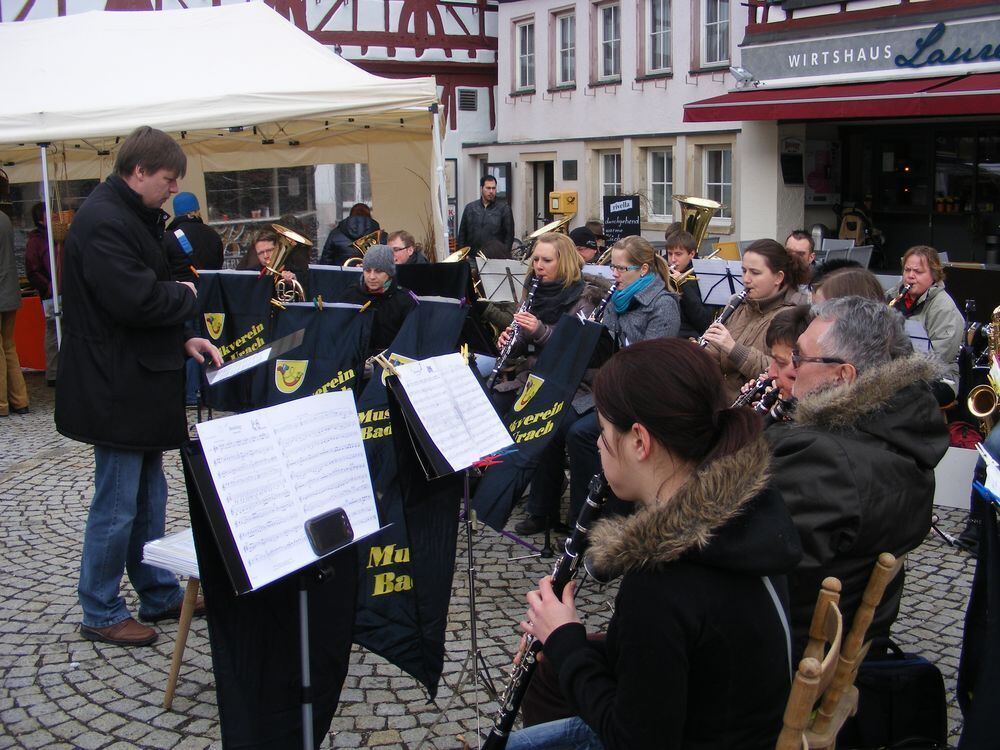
(598, 314)
(899, 297)
(562, 573)
(773, 409)
(735, 302)
(758, 389)
(515, 329)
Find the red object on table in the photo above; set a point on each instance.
(29, 333)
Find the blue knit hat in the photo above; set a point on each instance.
(185, 203)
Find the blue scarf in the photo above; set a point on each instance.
(623, 297)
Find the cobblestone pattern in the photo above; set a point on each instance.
(59, 691)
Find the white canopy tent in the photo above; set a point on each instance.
(238, 86)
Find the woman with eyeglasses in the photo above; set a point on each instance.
(561, 290)
(697, 652)
(771, 277)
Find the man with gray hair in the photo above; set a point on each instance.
(856, 462)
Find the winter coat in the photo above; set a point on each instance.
(696, 653)
(339, 243)
(652, 314)
(389, 308)
(10, 284)
(121, 364)
(856, 468)
(480, 224)
(206, 247)
(748, 327)
(937, 312)
(36, 262)
(696, 316)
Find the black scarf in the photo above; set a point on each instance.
(552, 299)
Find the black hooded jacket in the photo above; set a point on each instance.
(338, 246)
(696, 654)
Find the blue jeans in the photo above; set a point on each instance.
(128, 510)
(564, 734)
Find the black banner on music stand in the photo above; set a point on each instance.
(330, 358)
(405, 571)
(330, 282)
(236, 317)
(536, 415)
(452, 280)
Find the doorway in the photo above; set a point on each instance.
(543, 183)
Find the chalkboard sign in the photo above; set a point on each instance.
(621, 217)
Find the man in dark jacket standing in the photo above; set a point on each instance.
(121, 380)
(486, 219)
(856, 463)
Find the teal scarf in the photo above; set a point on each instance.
(623, 297)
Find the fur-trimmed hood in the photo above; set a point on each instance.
(891, 402)
(724, 516)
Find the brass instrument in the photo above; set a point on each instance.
(983, 399)
(462, 254)
(285, 290)
(559, 225)
(362, 244)
(898, 298)
(676, 284)
(695, 216)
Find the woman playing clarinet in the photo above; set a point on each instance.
(696, 654)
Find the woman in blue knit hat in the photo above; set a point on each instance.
(389, 302)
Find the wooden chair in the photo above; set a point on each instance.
(817, 729)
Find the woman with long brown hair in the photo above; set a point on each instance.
(771, 277)
(697, 651)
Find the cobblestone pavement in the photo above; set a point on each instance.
(60, 691)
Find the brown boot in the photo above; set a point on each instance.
(128, 632)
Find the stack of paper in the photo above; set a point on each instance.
(174, 553)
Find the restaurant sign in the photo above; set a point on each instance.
(929, 49)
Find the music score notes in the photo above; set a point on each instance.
(276, 468)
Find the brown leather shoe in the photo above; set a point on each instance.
(125, 633)
(174, 613)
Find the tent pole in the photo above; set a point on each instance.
(440, 189)
(53, 269)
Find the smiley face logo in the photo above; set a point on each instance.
(214, 323)
(289, 374)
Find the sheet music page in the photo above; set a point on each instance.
(718, 280)
(276, 468)
(233, 369)
(453, 409)
(918, 335)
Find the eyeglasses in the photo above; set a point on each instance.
(623, 269)
(798, 359)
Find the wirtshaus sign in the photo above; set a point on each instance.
(961, 46)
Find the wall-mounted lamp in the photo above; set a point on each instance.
(744, 78)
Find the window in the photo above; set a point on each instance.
(565, 49)
(525, 55)
(611, 173)
(660, 166)
(719, 178)
(351, 185)
(259, 193)
(715, 42)
(609, 42)
(658, 42)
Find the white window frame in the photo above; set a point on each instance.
(663, 34)
(524, 55)
(611, 44)
(652, 155)
(565, 48)
(720, 189)
(612, 159)
(711, 57)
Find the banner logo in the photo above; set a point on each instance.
(530, 389)
(214, 323)
(396, 360)
(289, 374)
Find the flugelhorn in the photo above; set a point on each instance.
(285, 290)
(361, 244)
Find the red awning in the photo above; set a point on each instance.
(977, 94)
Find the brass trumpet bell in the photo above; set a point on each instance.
(982, 404)
(463, 254)
(696, 214)
(362, 244)
(559, 225)
(286, 291)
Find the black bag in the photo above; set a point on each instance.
(901, 703)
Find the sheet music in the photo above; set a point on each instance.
(234, 368)
(453, 409)
(918, 335)
(718, 279)
(276, 468)
(174, 552)
(503, 280)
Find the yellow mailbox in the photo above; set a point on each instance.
(562, 202)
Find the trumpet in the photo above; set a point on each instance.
(688, 275)
(734, 303)
(900, 296)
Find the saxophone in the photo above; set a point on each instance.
(899, 297)
(983, 399)
(515, 329)
(562, 573)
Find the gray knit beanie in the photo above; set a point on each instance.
(380, 258)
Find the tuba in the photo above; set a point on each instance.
(285, 291)
(695, 216)
(362, 244)
(983, 399)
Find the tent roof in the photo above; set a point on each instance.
(101, 74)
